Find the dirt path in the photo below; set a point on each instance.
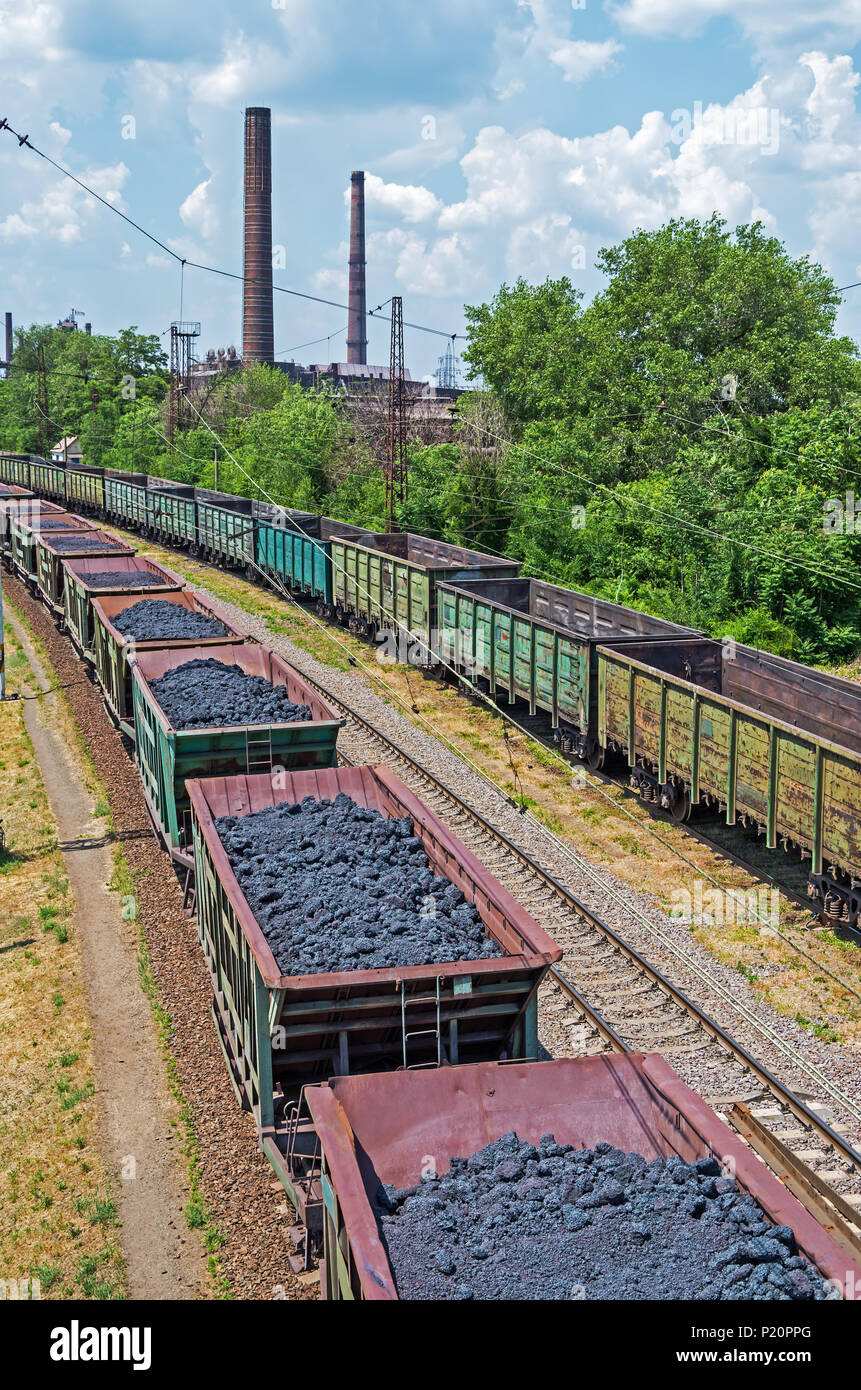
(163, 1258)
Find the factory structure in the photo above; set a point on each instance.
(354, 378)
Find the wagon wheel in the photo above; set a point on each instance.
(681, 807)
(595, 755)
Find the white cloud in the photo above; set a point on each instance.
(199, 211)
(410, 201)
(62, 135)
(579, 59)
(764, 20)
(63, 211)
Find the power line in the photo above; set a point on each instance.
(197, 265)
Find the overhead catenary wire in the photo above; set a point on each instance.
(25, 141)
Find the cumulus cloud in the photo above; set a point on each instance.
(412, 202)
(763, 20)
(63, 210)
(199, 212)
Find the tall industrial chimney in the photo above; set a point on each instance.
(9, 342)
(357, 326)
(258, 331)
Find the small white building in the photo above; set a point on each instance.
(67, 451)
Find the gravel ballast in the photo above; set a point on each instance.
(524, 1221)
(208, 694)
(336, 886)
(154, 620)
(123, 579)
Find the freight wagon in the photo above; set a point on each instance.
(85, 489)
(226, 527)
(48, 479)
(15, 468)
(173, 514)
(387, 583)
(298, 553)
(79, 592)
(25, 529)
(11, 491)
(771, 743)
(26, 511)
(381, 1129)
(538, 642)
(354, 1020)
(111, 649)
(54, 547)
(126, 499)
(167, 757)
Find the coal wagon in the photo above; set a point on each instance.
(382, 1129)
(131, 574)
(54, 547)
(112, 650)
(281, 1032)
(167, 757)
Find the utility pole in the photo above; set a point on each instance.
(215, 457)
(396, 434)
(41, 397)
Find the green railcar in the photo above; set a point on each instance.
(52, 550)
(126, 499)
(173, 514)
(225, 527)
(78, 593)
(387, 584)
(15, 468)
(48, 479)
(767, 741)
(113, 653)
(297, 552)
(85, 489)
(537, 642)
(167, 757)
(25, 527)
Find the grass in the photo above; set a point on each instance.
(50, 1164)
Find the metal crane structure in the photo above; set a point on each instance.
(396, 435)
(182, 336)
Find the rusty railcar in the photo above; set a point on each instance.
(281, 1032)
(381, 1128)
(769, 742)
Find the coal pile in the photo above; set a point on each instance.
(123, 579)
(54, 523)
(207, 694)
(335, 886)
(524, 1221)
(82, 540)
(154, 620)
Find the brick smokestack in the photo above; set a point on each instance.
(9, 341)
(357, 326)
(258, 330)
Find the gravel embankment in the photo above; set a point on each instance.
(207, 694)
(524, 1221)
(336, 886)
(154, 620)
(245, 1200)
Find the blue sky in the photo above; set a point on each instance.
(500, 137)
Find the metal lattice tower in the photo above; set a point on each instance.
(447, 369)
(396, 451)
(182, 336)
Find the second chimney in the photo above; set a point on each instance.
(357, 325)
(258, 329)
(9, 342)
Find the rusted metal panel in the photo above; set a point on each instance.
(381, 1128)
(773, 760)
(354, 1019)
